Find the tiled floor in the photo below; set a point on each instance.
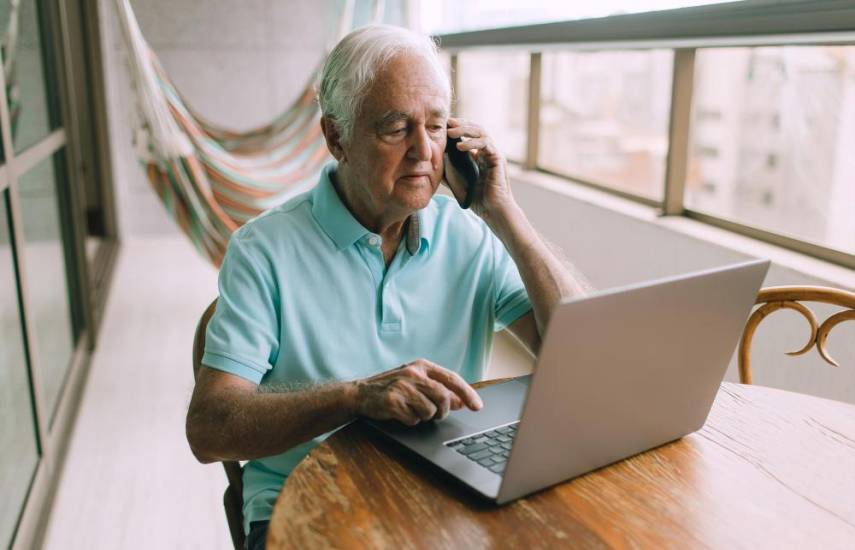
(129, 479)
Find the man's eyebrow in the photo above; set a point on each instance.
(390, 117)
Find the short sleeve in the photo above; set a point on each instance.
(243, 334)
(511, 297)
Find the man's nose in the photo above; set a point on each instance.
(420, 146)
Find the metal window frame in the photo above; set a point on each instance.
(682, 86)
(738, 24)
(88, 23)
(535, 79)
(52, 432)
(831, 255)
(769, 21)
(12, 164)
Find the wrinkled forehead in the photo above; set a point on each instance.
(408, 84)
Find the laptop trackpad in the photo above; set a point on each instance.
(502, 405)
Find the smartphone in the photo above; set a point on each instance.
(461, 173)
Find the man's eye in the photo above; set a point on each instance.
(397, 131)
(437, 128)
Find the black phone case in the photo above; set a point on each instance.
(465, 168)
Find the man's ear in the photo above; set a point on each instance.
(333, 138)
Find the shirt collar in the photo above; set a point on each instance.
(340, 225)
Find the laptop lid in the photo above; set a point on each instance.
(625, 370)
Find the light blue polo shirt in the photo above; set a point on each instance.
(306, 297)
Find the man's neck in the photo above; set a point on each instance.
(389, 226)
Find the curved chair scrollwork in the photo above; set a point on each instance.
(789, 297)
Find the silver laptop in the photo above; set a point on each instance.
(619, 372)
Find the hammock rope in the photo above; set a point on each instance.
(210, 179)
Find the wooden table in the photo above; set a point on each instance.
(770, 469)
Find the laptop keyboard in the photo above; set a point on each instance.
(490, 449)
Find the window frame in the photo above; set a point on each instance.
(66, 80)
(684, 31)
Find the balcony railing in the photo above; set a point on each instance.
(820, 175)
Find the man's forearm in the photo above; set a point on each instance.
(231, 419)
(245, 425)
(547, 279)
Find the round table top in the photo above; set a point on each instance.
(769, 469)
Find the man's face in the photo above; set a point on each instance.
(395, 157)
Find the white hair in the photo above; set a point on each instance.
(353, 64)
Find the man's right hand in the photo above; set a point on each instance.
(413, 393)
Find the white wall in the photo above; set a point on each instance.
(239, 64)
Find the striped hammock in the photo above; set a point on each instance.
(212, 180)
(231, 177)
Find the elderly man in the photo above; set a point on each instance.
(369, 295)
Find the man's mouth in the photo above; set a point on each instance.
(415, 177)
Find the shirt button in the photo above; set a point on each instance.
(374, 241)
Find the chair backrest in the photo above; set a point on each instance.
(233, 498)
(789, 297)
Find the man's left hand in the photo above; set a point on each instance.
(493, 191)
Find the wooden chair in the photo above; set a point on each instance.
(233, 497)
(789, 297)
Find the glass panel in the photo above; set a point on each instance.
(18, 454)
(45, 277)
(445, 59)
(604, 117)
(447, 16)
(772, 140)
(494, 94)
(25, 73)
